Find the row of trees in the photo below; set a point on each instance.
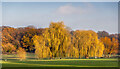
(58, 41)
(19, 37)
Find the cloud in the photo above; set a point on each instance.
(69, 9)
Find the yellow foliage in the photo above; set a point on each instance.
(88, 44)
(41, 50)
(21, 53)
(56, 41)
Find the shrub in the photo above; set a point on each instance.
(21, 53)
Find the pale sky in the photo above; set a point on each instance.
(96, 16)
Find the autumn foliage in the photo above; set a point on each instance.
(111, 45)
(8, 48)
(58, 41)
(21, 53)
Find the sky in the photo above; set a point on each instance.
(96, 16)
(60, 0)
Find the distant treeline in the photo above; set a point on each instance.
(59, 41)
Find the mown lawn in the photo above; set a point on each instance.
(61, 63)
(12, 61)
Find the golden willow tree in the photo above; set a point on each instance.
(56, 38)
(57, 41)
(87, 43)
(42, 51)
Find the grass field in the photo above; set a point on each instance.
(61, 63)
(31, 62)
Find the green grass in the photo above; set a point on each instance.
(13, 62)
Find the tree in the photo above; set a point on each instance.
(41, 50)
(111, 46)
(21, 53)
(102, 34)
(115, 45)
(8, 48)
(58, 38)
(119, 43)
(27, 41)
(87, 43)
(9, 36)
(113, 36)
